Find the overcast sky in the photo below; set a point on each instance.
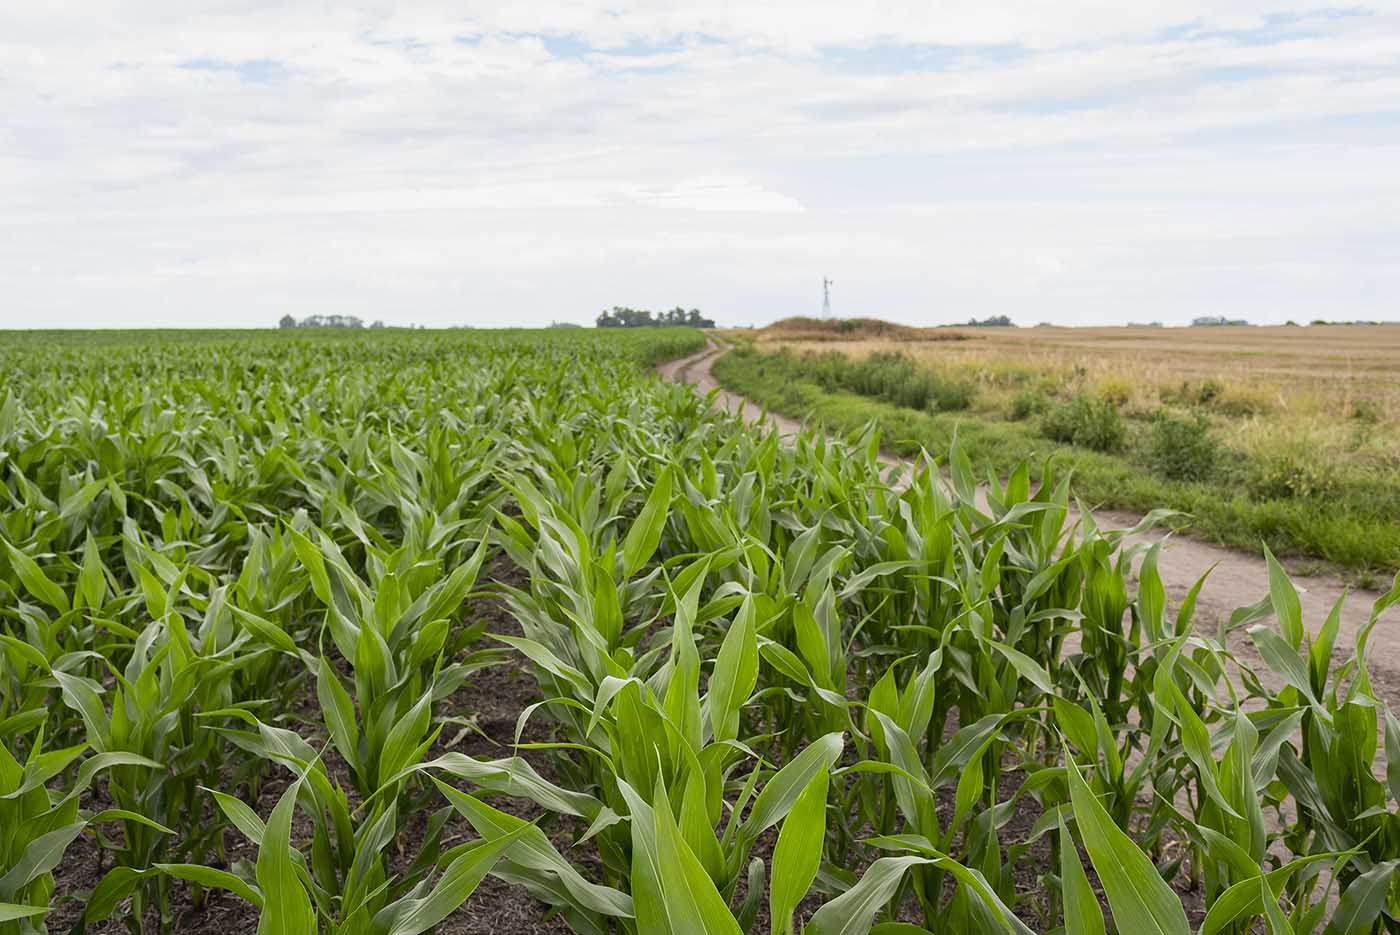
(517, 162)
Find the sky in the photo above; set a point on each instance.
(169, 164)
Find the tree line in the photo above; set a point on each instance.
(326, 321)
(620, 317)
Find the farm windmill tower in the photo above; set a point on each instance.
(826, 298)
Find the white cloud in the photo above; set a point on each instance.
(720, 193)
(163, 163)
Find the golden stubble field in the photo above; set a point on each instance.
(1332, 388)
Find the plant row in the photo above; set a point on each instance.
(243, 592)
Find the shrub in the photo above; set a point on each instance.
(898, 379)
(1058, 423)
(1288, 472)
(1182, 448)
(1365, 410)
(1208, 391)
(947, 394)
(827, 370)
(1025, 404)
(1086, 421)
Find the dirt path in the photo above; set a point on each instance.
(1238, 578)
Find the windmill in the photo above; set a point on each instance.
(826, 298)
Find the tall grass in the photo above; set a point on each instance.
(1271, 488)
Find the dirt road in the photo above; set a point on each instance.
(1238, 578)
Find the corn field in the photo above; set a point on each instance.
(776, 688)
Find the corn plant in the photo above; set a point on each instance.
(244, 578)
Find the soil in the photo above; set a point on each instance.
(1236, 579)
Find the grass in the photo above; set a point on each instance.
(1277, 498)
(1311, 410)
(1310, 375)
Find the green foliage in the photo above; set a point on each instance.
(892, 377)
(1086, 421)
(768, 675)
(1285, 471)
(1026, 403)
(1365, 411)
(1182, 447)
(621, 317)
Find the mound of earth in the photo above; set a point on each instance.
(800, 328)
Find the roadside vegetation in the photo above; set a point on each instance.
(1243, 478)
(315, 633)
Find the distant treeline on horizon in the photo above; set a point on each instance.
(621, 317)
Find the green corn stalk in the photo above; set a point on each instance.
(39, 822)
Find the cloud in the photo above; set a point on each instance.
(523, 162)
(720, 193)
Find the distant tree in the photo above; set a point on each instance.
(287, 322)
(994, 321)
(325, 321)
(378, 323)
(621, 317)
(634, 317)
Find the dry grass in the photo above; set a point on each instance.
(827, 330)
(1333, 386)
(1287, 435)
